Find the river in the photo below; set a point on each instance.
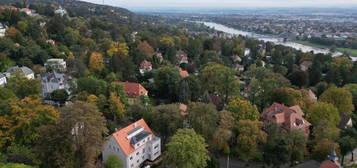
(275, 40)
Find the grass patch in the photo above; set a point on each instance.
(352, 52)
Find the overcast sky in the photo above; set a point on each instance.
(227, 3)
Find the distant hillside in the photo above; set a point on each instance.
(75, 6)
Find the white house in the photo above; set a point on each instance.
(60, 11)
(145, 66)
(2, 80)
(56, 65)
(3, 29)
(133, 145)
(25, 70)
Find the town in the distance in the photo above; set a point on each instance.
(94, 85)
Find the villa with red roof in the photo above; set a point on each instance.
(288, 118)
(133, 145)
(133, 91)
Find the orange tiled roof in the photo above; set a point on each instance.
(124, 143)
(288, 117)
(133, 89)
(184, 74)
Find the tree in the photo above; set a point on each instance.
(276, 149)
(96, 62)
(325, 130)
(219, 79)
(166, 80)
(347, 144)
(60, 96)
(203, 118)
(187, 149)
(116, 107)
(243, 110)
(250, 136)
(167, 119)
(113, 162)
(87, 126)
(323, 112)
(20, 121)
(6, 94)
(143, 52)
(353, 89)
(323, 148)
(224, 133)
(91, 85)
(22, 86)
(299, 78)
(340, 98)
(297, 140)
(121, 49)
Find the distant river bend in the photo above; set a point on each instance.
(275, 40)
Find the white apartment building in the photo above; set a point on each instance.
(133, 145)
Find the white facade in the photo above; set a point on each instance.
(3, 29)
(2, 80)
(148, 147)
(56, 64)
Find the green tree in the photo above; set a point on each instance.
(6, 94)
(353, 89)
(250, 136)
(224, 133)
(323, 148)
(22, 86)
(91, 85)
(187, 149)
(219, 79)
(167, 119)
(85, 127)
(347, 144)
(341, 98)
(203, 118)
(166, 80)
(297, 140)
(276, 149)
(113, 162)
(323, 112)
(60, 96)
(243, 110)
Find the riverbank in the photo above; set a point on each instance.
(352, 52)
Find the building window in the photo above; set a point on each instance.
(143, 150)
(156, 146)
(131, 158)
(132, 165)
(142, 157)
(137, 153)
(137, 161)
(156, 153)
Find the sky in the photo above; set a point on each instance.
(227, 3)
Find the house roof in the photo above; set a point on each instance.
(184, 74)
(329, 164)
(2, 75)
(345, 119)
(289, 117)
(133, 89)
(24, 69)
(121, 136)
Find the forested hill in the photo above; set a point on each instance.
(75, 7)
